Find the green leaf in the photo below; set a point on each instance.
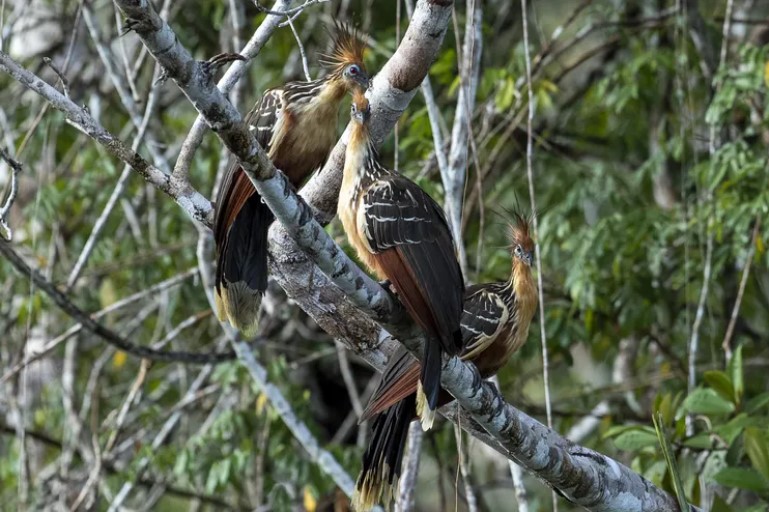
(719, 505)
(757, 448)
(707, 401)
(667, 452)
(703, 441)
(757, 403)
(742, 478)
(635, 439)
(719, 381)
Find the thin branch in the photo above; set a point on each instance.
(301, 433)
(16, 167)
(408, 480)
(470, 498)
(532, 200)
(461, 132)
(108, 335)
(302, 54)
(348, 378)
(287, 12)
(225, 85)
(521, 494)
(726, 344)
(694, 341)
(191, 201)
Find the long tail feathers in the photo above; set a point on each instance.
(426, 415)
(241, 276)
(429, 388)
(378, 480)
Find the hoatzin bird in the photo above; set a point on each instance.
(296, 124)
(401, 234)
(495, 323)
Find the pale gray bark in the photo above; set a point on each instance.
(585, 477)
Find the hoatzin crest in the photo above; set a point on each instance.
(296, 125)
(495, 323)
(400, 233)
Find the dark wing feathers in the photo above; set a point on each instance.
(398, 212)
(400, 215)
(481, 315)
(240, 243)
(236, 188)
(265, 115)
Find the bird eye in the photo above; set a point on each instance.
(518, 251)
(353, 70)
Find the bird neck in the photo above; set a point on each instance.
(524, 287)
(333, 90)
(358, 148)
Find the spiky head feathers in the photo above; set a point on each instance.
(520, 238)
(347, 49)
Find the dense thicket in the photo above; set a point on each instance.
(650, 177)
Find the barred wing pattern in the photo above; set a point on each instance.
(240, 229)
(399, 215)
(236, 187)
(483, 317)
(409, 237)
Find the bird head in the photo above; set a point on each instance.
(520, 239)
(360, 110)
(345, 60)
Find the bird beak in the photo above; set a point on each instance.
(529, 258)
(363, 80)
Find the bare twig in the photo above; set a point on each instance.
(694, 340)
(227, 82)
(348, 378)
(108, 335)
(726, 344)
(13, 189)
(408, 480)
(288, 12)
(461, 132)
(535, 222)
(464, 471)
(532, 199)
(302, 54)
(521, 494)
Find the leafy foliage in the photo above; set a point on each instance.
(646, 154)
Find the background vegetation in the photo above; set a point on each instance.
(650, 175)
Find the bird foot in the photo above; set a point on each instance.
(214, 63)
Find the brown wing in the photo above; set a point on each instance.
(409, 236)
(399, 380)
(236, 188)
(240, 230)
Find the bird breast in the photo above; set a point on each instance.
(304, 139)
